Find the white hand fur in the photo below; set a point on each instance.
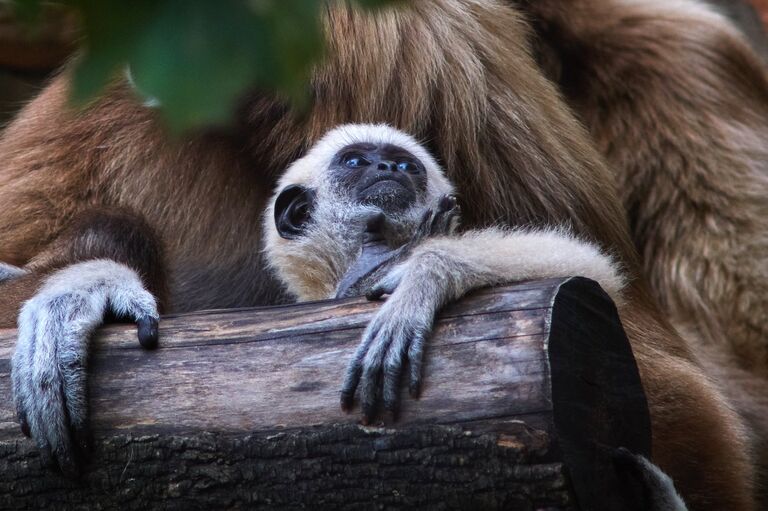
(10, 272)
(48, 366)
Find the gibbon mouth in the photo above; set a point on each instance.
(384, 182)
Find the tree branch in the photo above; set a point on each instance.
(527, 388)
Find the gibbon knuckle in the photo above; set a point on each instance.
(372, 362)
(394, 365)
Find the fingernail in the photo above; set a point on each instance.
(347, 402)
(374, 295)
(147, 331)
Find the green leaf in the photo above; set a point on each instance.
(112, 31)
(197, 63)
(294, 27)
(27, 11)
(197, 57)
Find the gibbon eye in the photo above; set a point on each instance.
(355, 161)
(408, 166)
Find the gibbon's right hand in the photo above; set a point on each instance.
(48, 369)
(374, 255)
(396, 335)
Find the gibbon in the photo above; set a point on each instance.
(369, 211)
(669, 178)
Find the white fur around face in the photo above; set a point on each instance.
(311, 169)
(55, 325)
(311, 266)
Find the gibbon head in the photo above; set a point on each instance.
(314, 223)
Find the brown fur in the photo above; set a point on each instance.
(692, 165)
(459, 75)
(16, 292)
(678, 103)
(97, 233)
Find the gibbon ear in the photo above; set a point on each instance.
(293, 210)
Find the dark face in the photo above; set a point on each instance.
(383, 175)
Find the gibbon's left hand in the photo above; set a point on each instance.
(396, 334)
(398, 331)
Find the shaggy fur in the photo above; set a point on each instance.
(436, 271)
(685, 132)
(696, 197)
(672, 96)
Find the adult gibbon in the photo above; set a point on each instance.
(676, 109)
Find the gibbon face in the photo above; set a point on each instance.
(314, 224)
(381, 175)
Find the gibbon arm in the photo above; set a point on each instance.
(442, 270)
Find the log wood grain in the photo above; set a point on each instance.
(527, 389)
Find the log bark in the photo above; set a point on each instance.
(528, 388)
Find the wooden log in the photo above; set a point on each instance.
(528, 388)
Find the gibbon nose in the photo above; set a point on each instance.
(387, 165)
